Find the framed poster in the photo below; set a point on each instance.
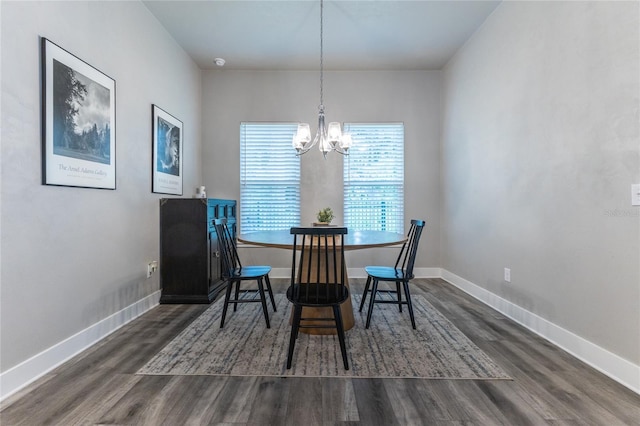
(167, 152)
(78, 121)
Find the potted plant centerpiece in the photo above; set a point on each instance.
(324, 216)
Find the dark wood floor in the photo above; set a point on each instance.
(550, 387)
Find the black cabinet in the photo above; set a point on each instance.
(189, 258)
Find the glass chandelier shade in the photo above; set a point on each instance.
(328, 139)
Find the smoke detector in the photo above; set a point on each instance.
(219, 62)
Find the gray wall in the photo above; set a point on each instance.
(413, 97)
(71, 256)
(539, 150)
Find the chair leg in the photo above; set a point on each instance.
(408, 297)
(273, 300)
(263, 300)
(295, 336)
(364, 293)
(372, 301)
(337, 315)
(226, 303)
(399, 296)
(295, 324)
(235, 305)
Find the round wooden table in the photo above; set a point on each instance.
(354, 240)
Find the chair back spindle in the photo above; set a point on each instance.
(407, 257)
(223, 247)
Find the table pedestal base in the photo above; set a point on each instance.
(348, 320)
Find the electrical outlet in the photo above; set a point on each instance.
(635, 194)
(151, 268)
(507, 275)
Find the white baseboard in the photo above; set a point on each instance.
(37, 366)
(610, 364)
(418, 272)
(280, 273)
(359, 273)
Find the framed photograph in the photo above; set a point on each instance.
(167, 152)
(78, 121)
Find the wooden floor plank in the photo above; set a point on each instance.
(136, 405)
(270, 403)
(339, 401)
(466, 403)
(233, 403)
(203, 392)
(436, 400)
(99, 401)
(374, 405)
(506, 397)
(304, 406)
(408, 404)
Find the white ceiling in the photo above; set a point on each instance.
(358, 35)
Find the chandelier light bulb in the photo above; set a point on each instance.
(334, 133)
(302, 137)
(346, 141)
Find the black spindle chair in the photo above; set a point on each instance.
(234, 272)
(318, 280)
(401, 274)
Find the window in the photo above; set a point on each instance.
(374, 177)
(269, 177)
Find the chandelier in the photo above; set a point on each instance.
(328, 139)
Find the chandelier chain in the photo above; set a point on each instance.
(321, 56)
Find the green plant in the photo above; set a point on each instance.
(325, 215)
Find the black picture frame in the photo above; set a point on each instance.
(78, 121)
(167, 160)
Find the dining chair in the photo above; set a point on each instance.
(233, 272)
(318, 279)
(401, 274)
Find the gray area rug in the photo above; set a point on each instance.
(389, 349)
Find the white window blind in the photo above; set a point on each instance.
(374, 177)
(269, 177)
